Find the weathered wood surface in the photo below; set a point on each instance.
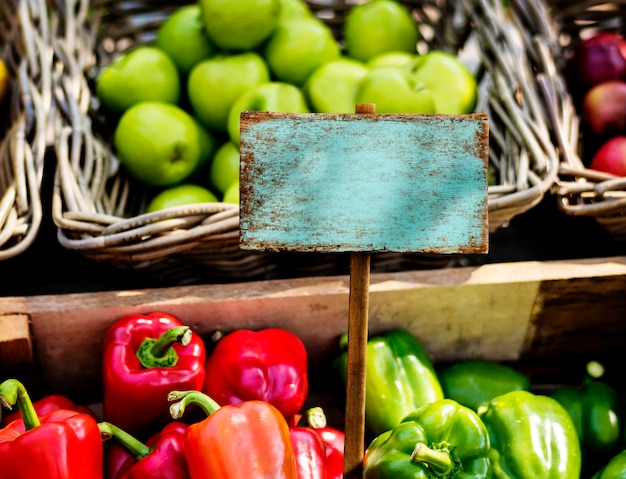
(16, 350)
(366, 183)
(505, 311)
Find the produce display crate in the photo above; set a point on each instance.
(580, 191)
(545, 318)
(25, 116)
(99, 210)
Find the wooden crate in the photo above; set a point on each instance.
(546, 317)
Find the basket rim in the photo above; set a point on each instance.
(534, 166)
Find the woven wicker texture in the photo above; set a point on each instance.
(25, 127)
(579, 190)
(99, 209)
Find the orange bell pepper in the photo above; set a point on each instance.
(247, 440)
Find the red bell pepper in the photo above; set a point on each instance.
(243, 441)
(310, 453)
(332, 438)
(62, 444)
(268, 365)
(144, 358)
(51, 403)
(334, 441)
(161, 457)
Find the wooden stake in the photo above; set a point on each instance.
(357, 343)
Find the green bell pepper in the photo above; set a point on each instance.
(614, 469)
(595, 409)
(441, 440)
(474, 382)
(399, 378)
(532, 437)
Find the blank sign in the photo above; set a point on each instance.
(364, 183)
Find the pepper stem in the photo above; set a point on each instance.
(159, 352)
(134, 446)
(313, 417)
(439, 462)
(185, 398)
(11, 392)
(595, 370)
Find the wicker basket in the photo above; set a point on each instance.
(25, 131)
(99, 210)
(581, 191)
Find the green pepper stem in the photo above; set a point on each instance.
(134, 446)
(185, 398)
(439, 462)
(11, 392)
(313, 417)
(159, 352)
(594, 369)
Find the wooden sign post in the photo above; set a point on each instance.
(363, 184)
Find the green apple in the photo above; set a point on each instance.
(238, 25)
(145, 73)
(451, 83)
(231, 195)
(392, 59)
(379, 26)
(290, 9)
(332, 87)
(160, 144)
(299, 46)
(183, 38)
(209, 144)
(271, 96)
(180, 195)
(395, 90)
(224, 169)
(214, 84)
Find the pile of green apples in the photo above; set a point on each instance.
(176, 102)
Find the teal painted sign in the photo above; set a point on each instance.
(364, 182)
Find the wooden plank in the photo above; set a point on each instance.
(364, 183)
(15, 343)
(501, 311)
(462, 321)
(578, 314)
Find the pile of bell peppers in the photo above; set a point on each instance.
(176, 406)
(480, 419)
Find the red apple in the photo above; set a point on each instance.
(599, 58)
(604, 108)
(611, 156)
